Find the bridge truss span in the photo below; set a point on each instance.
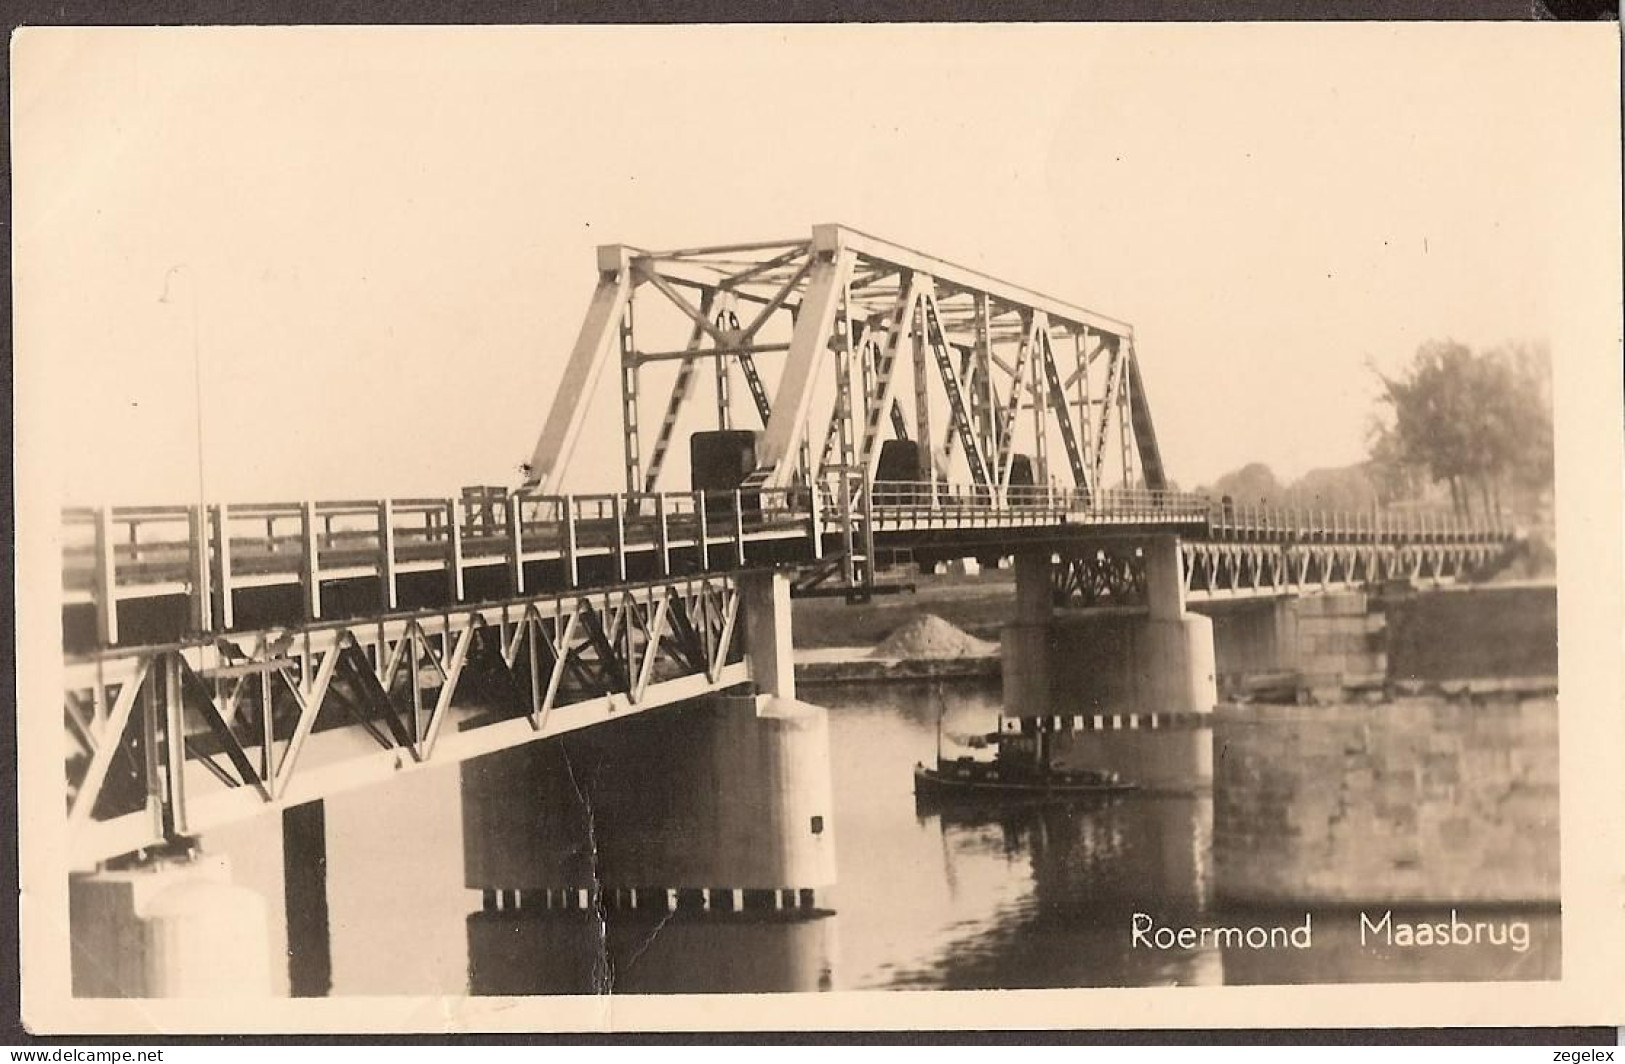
(164, 741)
(1114, 574)
(847, 343)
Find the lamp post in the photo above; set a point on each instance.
(197, 372)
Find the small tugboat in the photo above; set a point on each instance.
(1007, 776)
(968, 776)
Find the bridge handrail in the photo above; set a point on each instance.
(110, 552)
(1375, 524)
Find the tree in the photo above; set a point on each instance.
(1252, 485)
(1474, 422)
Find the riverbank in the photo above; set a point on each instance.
(1464, 641)
(979, 605)
(923, 647)
(833, 665)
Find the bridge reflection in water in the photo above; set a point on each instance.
(948, 897)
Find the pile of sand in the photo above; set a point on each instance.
(928, 636)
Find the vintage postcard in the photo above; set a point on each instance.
(719, 527)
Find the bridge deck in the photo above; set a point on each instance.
(345, 642)
(239, 566)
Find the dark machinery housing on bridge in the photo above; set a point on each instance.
(719, 461)
(902, 468)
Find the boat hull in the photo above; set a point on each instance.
(930, 782)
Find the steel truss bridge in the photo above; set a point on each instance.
(227, 659)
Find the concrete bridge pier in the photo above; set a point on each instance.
(304, 886)
(175, 924)
(717, 809)
(168, 926)
(1131, 691)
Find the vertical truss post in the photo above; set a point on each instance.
(881, 393)
(310, 563)
(1036, 324)
(983, 402)
(738, 339)
(1108, 400)
(567, 520)
(152, 729)
(702, 534)
(805, 452)
(617, 512)
(1123, 425)
(845, 409)
(516, 544)
(454, 550)
(1080, 347)
(386, 556)
(815, 520)
(922, 385)
(662, 536)
(224, 613)
(724, 373)
(201, 596)
(106, 588)
(1012, 407)
(414, 662)
(869, 355)
(681, 389)
(267, 728)
(842, 423)
(174, 745)
(866, 576)
(629, 399)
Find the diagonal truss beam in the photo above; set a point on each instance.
(1059, 408)
(568, 413)
(786, 428)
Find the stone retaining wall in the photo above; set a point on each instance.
(1420, 800)
(1485, 630)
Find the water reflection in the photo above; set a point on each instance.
(586, 952)
(929, 896)
(1088, 866)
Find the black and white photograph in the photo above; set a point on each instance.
(529, 525)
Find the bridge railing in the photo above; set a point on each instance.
(940, 504)
(206, 554)
(1226, 520)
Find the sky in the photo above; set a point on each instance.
(369, 251)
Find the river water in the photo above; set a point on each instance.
(1008, 896)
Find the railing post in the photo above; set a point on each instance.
(202, 596)
(617, 513)
(572, 575)
(386, 555)
(662, 536)
(224, 614)
(152, 726)
(454, 549)
(815, 521)
(739, 528)
(310, 564)
(106, 586)
(174, 744)
(702, 533)
(516, 544)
